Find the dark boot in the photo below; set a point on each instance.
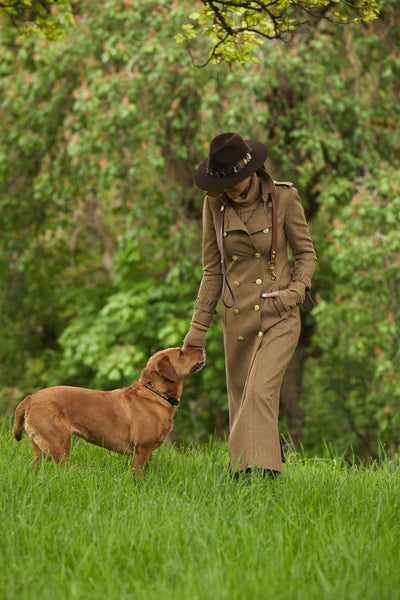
(243, 476)
(265, 473)
(246, 475)
(270, 474)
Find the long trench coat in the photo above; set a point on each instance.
(260, 334)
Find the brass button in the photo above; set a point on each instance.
(258, 281)
(222, 208)
(235, 311)
(260, 334)
(256, 308)
(225, 234)
(257, 255)
(240, 338)
(234, 258)
(236, 283)
(266, 230)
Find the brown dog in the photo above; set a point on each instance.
(132, 420)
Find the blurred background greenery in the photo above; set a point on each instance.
(100, 247)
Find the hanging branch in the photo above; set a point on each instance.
(237, 27)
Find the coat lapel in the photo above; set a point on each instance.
(259, 220)
(232, 221)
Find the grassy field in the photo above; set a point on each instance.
(186, 531)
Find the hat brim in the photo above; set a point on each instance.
(211, 183)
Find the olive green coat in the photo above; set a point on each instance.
(260, 334)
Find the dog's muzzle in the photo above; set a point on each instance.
(197, 366)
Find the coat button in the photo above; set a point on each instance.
(257, 255)
(222, 208)
(258, 281)
(234, 258)
(256, 308)
(225, 234)
(260, 334)
(235, 311)
(236, 283)
(240, 338)
(266, 230)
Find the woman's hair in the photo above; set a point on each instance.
(262, 170)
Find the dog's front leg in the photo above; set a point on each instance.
(141, 460)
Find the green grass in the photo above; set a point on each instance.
(186, 531)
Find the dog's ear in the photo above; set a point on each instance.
(165, 369)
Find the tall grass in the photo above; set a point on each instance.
(186, 531)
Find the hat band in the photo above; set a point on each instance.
(239, 166)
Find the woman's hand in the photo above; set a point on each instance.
(287, 298)
(187, 346)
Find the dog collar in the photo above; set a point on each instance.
(173, 401)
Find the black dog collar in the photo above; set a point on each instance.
(173, 401)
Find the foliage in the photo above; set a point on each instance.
(187, 530)
(358, 329)
(101, 222)
(46, 18)
(104, 202)
(351, 163)
(237, 28)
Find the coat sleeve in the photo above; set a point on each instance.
(211, 282)
(301, 244)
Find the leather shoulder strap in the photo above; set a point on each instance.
(225, 282)
(272, 260)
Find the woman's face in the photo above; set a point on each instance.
(237, 190)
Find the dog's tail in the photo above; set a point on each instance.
(19, 420)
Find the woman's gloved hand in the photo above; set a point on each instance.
(187, 346)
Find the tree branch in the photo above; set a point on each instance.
(231, 20)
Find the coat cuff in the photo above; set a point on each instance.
(299, 288)
(304, 279)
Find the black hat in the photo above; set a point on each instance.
(231, 160)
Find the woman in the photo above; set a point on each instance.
(248, 222)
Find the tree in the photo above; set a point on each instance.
(350, 171)
(237, 28)
(357, 329)
(100, 248)
(97, 188)
(47, 18)
(234, 27)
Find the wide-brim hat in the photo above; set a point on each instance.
(231, 159)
